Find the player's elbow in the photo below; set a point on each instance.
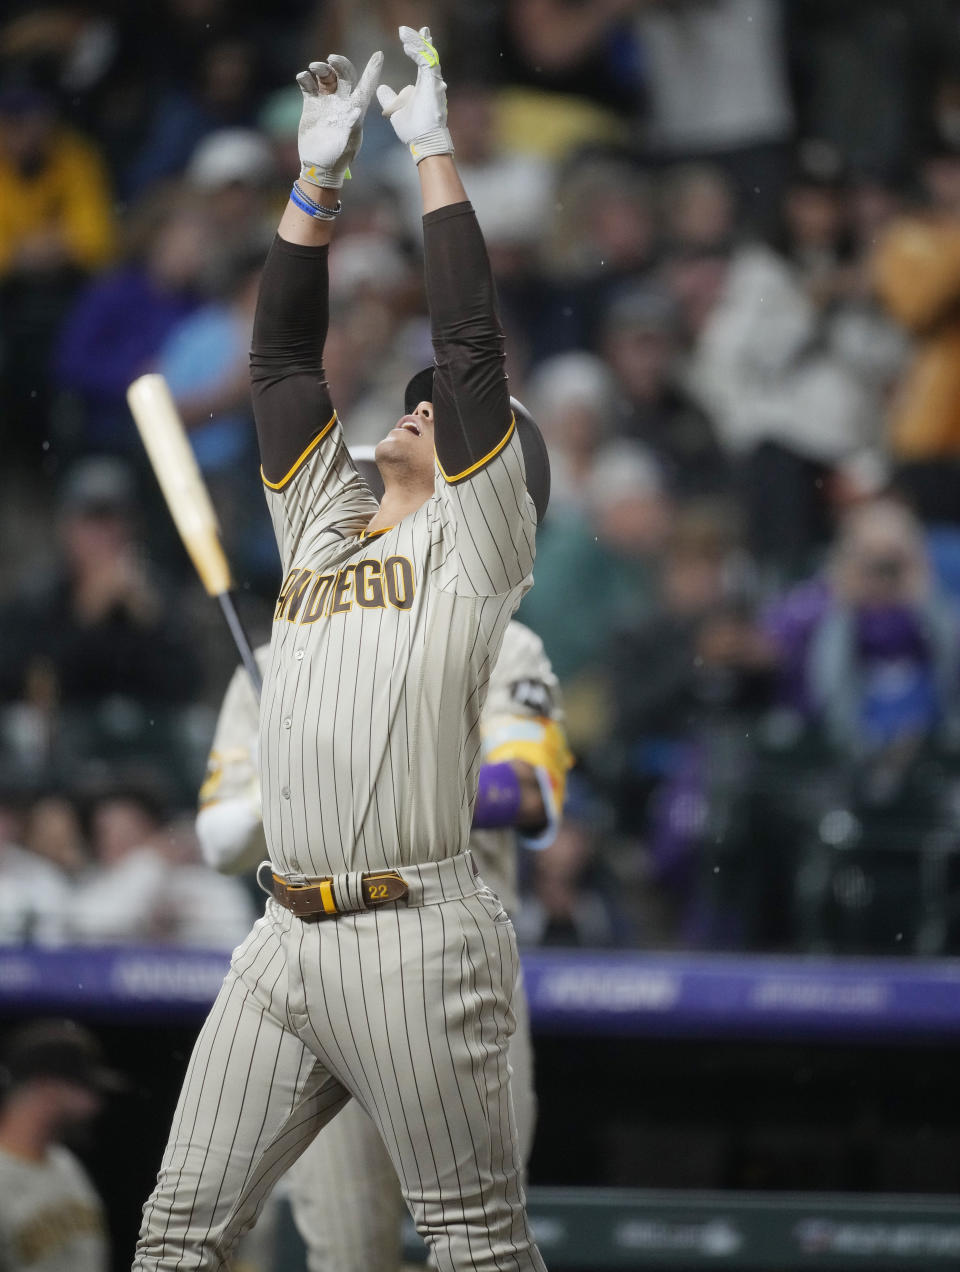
(229, 833)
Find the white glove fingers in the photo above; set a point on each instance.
(344, 68)
(386, 97)
(308, 84)
(345, 71)
(418, 47)
(392, 102)
(369, 80)
(325, 76)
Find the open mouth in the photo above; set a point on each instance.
(410, 426)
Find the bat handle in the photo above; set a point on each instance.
(241, 640)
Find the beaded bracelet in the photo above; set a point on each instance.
(316, 210)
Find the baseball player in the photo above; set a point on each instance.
(52, 1082)
(345, 1195)
(383, 968)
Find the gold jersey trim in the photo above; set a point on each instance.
(467, 472)
(301, 459)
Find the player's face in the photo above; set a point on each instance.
(409, 445)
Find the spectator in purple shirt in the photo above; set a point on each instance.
(870, 649)
(123, 318)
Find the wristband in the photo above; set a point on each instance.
(498, 797)
(436, 142)
(316, 210)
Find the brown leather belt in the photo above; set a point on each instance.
(315, 899)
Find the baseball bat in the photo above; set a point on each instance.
(175, 466)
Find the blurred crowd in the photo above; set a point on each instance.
(726, 236)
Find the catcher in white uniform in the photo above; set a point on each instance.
(344, 1192)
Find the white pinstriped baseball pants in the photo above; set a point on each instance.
(344, 1192)
(406, 1008)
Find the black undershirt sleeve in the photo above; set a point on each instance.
(291, 399)
(471, 401)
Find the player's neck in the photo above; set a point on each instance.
(398, 502)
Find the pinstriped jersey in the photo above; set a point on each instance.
(380, 658)
(522, 720)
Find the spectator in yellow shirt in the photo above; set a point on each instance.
(55, 205)
(56, 224)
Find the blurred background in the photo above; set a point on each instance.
(726, 237)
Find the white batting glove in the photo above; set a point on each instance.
(331, 125)
(418, 112)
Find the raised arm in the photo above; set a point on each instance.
(471, 400)
(290, 395)
(291, 398)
